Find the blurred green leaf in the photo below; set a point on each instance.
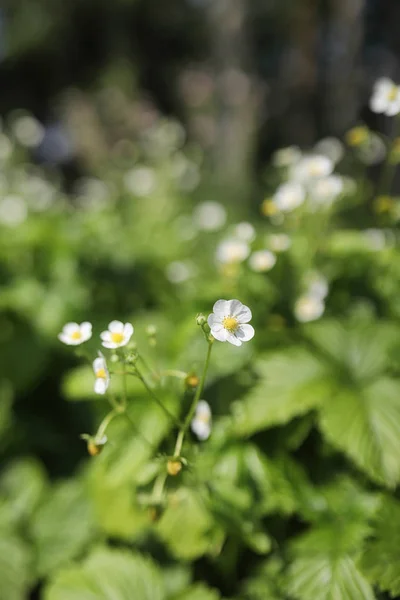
(62, 526)
(106, 574)
(365, 424)
(16, 573)
(198, 592)
(380, 561)
(291, 384)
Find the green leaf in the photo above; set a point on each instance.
(62, 526)
(381, 559)
(291, 384)
(106, 574)
(15, 568)
(22, 485)
(186, 525)
(365, 424)
(321, 577)
(198, 592)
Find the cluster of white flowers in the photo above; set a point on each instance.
(117, 335)
(310, 306)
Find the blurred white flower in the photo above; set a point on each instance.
(140, 181)
(28, 131)
(376, 239)
(209, 216)
(232, 251)
(308, 308)
(324, 191)
(13, 210)
(178, 271)
(279, 242)
(245, 231)
(74, 334)
(262, 260)
(229, 322)
(312, 167)
(102, 375)
(286, 157)
(385, 97)
(201, 423)
(317, 286)
(117, 335)
(330, 147)
(289, 196)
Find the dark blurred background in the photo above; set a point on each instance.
(245, 76)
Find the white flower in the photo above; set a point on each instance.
(308, 308)
(317, 286)
(312, 167)
(28, 131)
(330, 147)
(74, 334)
(262, 260)
(385, 97)
(102, 375)
(117, 335)
(286, 157)
(228, 322)
(245, 231)
(13, 210)
(232, 251)
(140, 181)
(178, 271)
(279, 242)
(289, 196)
(326, 190)
(201, 423)
(209, 216)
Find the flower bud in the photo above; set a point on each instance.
(174, 467)
(94, 445)
(201, 320)
(191, 381)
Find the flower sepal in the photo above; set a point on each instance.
(94, 444)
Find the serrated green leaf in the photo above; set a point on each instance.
(62, 526)
(323, 578)
(365, 424)
(381, 559)
(291, 384)
(15, 568)
(106, 574)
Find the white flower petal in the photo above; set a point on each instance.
(105, 336)
(201, 429)
(213, 320)
(245, 333)
(240, 311)
(219, 333)
(99, 363)
(100, 385)
(221, 307)
(232, 339)
(128, 330)
(116, 327)
(86, 330)
(109, 344)
(70, 328)
(203, 409)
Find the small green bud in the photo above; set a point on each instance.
(201, 320)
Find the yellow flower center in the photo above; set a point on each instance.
(230, 324)
(76, 335)
(101, 374)
(392, 94)
(117, 338)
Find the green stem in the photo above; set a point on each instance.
(156, 399)
(199, 391)
(105, 423)
(159, 487)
